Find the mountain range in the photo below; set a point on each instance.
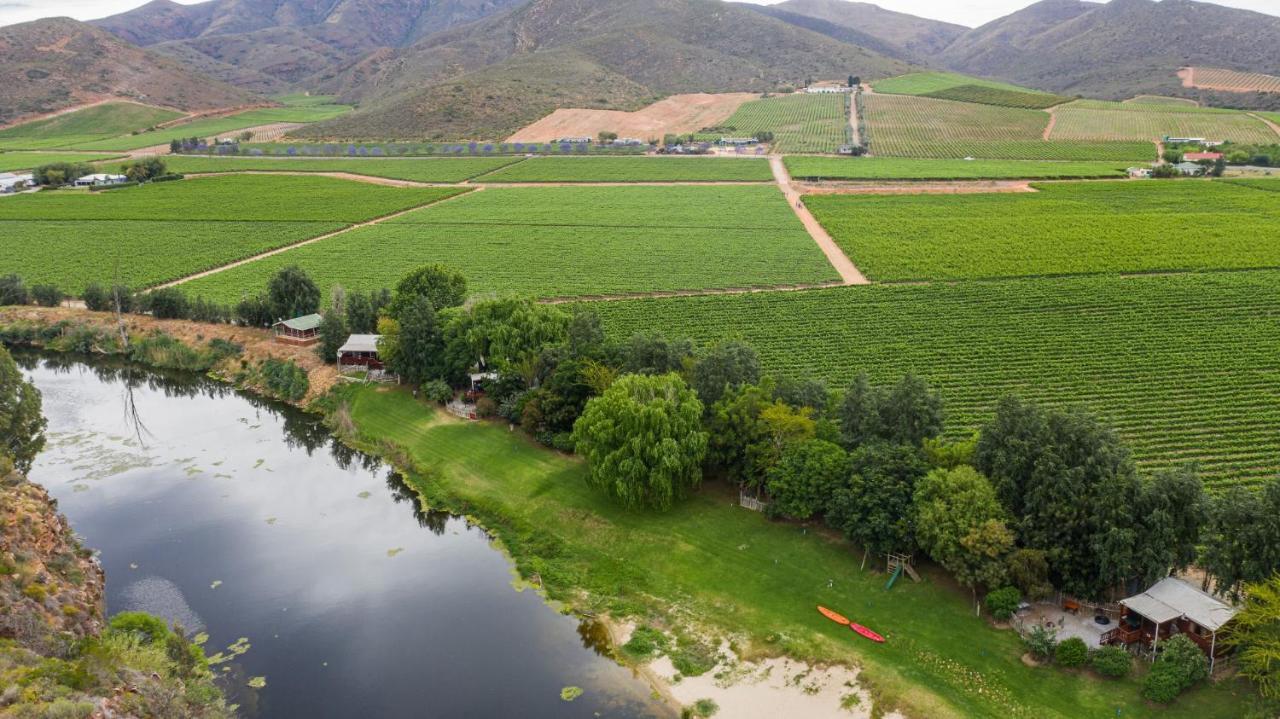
(426, 69)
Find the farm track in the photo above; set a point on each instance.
(1274, 127)
(849, 273)
(1053, 120)
(354, 177)
(392, 182)
(286, 248)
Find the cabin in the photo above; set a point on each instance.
(301, 331)
(1202, 156)
(1170, 607)
(100, 179)
(359, 352)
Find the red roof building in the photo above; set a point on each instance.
(1198, 156)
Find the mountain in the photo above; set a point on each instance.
(52, 64)
(273, 44)
(843, 33)
(488, 78)
(919, 37)
(1116, 50)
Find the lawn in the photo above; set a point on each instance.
(85, 126)
(436, 169)
(633, 169)
(907, 168)
(1184, 366)
(710, 563)
(1065, 228)
(10, 161)
(218, 126)
(799, 123)
(568, 241)
(1093, 121)
(148, 235)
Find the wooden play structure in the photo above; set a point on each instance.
(897, 564)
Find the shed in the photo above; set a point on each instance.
(1172, 606)
(100, 179)
(360, 351)
(10, 182)
(304, 330)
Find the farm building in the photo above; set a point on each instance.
(739, 141)
(628, 142)
(1139, 172)
(303, 330)
(1202, 156)
(1171, 607)
(101, 179)
(10, 182)
(1190, 169)
(827, 89)
(1186, 140)
(574, 140)
(359, 352)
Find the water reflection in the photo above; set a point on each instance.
(246, 518)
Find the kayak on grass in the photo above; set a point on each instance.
(833, 616)
(866, 633)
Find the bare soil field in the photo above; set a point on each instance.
(677, 114)
(1212, 78)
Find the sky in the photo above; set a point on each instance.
(963, 12)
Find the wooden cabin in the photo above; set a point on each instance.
(359, 352)
(302, 331)
(1170, 607)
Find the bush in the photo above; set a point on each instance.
(285, 379)
(168, 303)
(1111, 662)
(47, 295)
(96, 298)
(254, 312)
(486, 408)
(1180, 665)
(1163, 684)
(147, 628)
(437, 391)
(1041, 641)
(13, 291)
(1002, 603)
(1072, 652)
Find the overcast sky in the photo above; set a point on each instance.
(964, 12)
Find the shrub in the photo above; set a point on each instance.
(1002, 603)
(168, 303)
(1041, 641)
(285, 379)
(486, 408)
(13, 291)
(147, 628)
(1163, 684)
(1111, 662)
(97, 298)
(254, 312)
(1180, 665)
(645, 642)
(47, 295)
(437, 391)
(1072, 652)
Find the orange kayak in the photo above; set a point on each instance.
(837, 618)
(866, 632)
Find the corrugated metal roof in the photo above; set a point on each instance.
(361, 343)
(1171, 598)
(303, 323)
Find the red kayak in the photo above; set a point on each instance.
(833, 616)
(866, 633)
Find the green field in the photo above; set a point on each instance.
(799, 123)
(1270, 184)
(905, 168)
(633, 169)
(85, 126)
(1073, 228)
(736, 573)
(906, 126)
(148, 235)
(1095, 121)
(217, 126)
(1184, 366)
(436, 169)
(567, 241)
(1161, 100)
(964, 88)
(10, 161)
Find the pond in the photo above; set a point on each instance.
(245, 520)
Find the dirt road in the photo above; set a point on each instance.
(853, 119)
(849, 273)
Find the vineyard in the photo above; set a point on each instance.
(10, 161)
(1268, 184)
(924, 83)
(435, 169)
(217, 126)
(1183, 366)
(906, 126)
(84, 126)
(999, 97)
(906, 168)
(1161, 100)
(1078, 228)
(1233, 81)
(1098, 121)
(799, 123)
(567, 241)
(633, 169)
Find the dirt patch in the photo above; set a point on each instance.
(677, 114)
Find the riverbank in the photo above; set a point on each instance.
(711, 577)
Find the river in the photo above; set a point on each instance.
(243, 519)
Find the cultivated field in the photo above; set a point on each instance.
(633, 169)
(678, 114)
(1161, 100)
(799, 123)
(10, 161)
(1213, 78)
(1183, 366)
(905, 126)
(1091, 120)
(148, 235)
(964, 88)
(217, 126)
(905, 168)
(1261, 183)
(1074, 228)
(567, 241)
(91, 124)
(435, 169)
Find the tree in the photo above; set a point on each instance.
(806, 475)
(47, 295)
(1003, 602)
(1219, 167)
(723, 367)
(333, 334)
(875, 507)
(21, 423)
(1172, 508)
(961, 525)
(1242, 537)
(605, 137)
(811, 393)
(441, 285)
(911, 412)
(642, 440)
(13, 291)
(654, 354)
(586, 335)
(1255, 633)
(733, 425)
(853, 81)
(413, 346)
(144, 170)
(167, 303)
(1028, 570)
(291, 293)
(860, 420)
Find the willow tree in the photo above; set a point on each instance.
(642, 440)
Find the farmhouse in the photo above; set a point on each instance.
(1186, 140)
(827, 89)
(301, 331)
(1171, 607)
(359, 352)
(100, 179)
(1202, 156)
(1189, 168)
(739, 141)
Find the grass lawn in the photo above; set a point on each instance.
(633, 169)
(10, 161)
(436, 169)
(711, 563)
(804, 167)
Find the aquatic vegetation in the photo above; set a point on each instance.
(570, 693)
